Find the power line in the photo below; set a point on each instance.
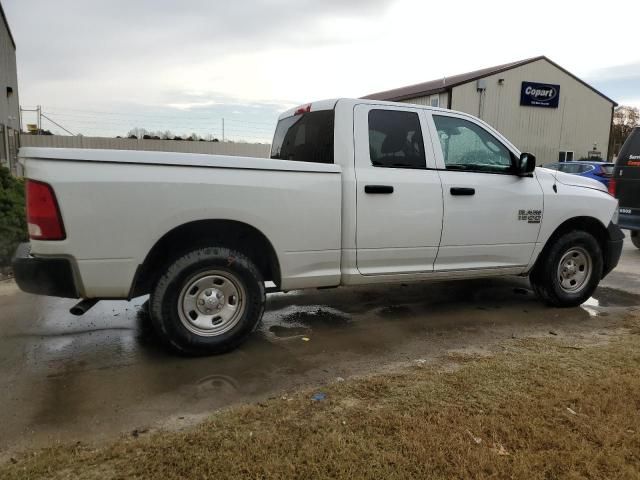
(56, 124)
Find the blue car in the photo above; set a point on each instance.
(600, 171)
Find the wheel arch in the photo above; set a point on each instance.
(231, 234)
(585, 223)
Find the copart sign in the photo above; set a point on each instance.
(539, 95)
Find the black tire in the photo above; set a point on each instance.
(545, 277)
(166, 302)
(635, 238)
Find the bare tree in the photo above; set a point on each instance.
(625, 118)
(137, 132)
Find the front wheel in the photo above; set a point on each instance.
(208, 301)
(635, 238)
(570, 270)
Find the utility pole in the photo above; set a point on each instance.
(223, 129)
(39, 115)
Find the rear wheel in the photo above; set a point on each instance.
(570, 270)
(635, 238)
(208, 301)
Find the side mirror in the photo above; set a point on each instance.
(526, 164)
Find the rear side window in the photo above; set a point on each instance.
(607, 169)
(395, 139)
(305, 138)
(569, 168)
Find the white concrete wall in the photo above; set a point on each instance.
(217, 148)
(582, 118)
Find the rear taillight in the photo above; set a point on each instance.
(612, 187)
(43, 215)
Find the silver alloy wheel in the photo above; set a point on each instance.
(574, 270)
(211, 303)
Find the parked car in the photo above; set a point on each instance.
(625, 185)
(600, 171)
(355, 192)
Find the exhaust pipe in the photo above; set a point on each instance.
(83, 306)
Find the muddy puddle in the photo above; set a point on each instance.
(65, 379)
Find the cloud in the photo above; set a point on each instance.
(88, 38)
(195, 57)
(621, 82)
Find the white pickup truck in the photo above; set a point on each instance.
(355, 192)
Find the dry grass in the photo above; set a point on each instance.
(539, 410)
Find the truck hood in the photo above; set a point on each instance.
(575, 180)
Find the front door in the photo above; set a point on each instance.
(399, 194)
(491, 216)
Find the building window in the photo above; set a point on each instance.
(565, 156)
(434, 100)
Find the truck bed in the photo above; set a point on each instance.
(116, 205)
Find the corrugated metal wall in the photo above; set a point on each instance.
(9, 104)
(216, 148)
(582, 119)
(443, 97)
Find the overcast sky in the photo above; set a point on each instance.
(103, 67)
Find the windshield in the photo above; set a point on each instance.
(305, 138)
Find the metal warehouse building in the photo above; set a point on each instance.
(541, 107)
(9, 106)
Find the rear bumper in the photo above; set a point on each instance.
(613, 248)
(629, 221)
(43, 276)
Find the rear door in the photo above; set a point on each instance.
(627, 181)
(399, 195)
(491, 216)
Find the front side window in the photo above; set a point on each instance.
(305, 138)
(467, 146)
(395, 139)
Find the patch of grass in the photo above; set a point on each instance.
(537, 411)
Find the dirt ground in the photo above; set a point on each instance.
(102, 377)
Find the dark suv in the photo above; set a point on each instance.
(625, 185)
